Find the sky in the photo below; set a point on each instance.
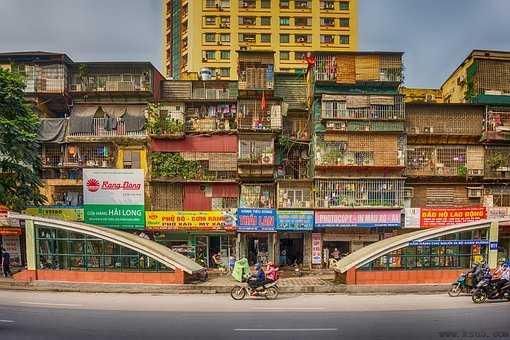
(436, 35)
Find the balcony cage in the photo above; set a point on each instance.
(444, 121)
(295, 163)
(257, 196)
(380, 193)
(100, 129)
(499, 120)
(51, 78)
(297, 128)
(497, 162)
(83, 155)
(252, 151)
(256, 71)
(369, 107)
(211, 118)
(213, 166)
(436, 161)
(492, 77)
(65, 196)
(62, 173)
(295, 195)
(112, 79)
(167, 196)
(252, 116)
(500, 195)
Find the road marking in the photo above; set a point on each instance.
(286, 329)
(7, 321)
(50, 304)
(289, 308)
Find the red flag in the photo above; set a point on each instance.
(263, 104)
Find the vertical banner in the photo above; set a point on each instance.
(114, 198)
(316, 248)
(12, 245)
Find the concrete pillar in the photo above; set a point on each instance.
(493, 238)
(30, 245)
(271, 243)
(307, 250)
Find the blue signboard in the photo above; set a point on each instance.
(449, 243)
(249, 220)
(288, 220)
(493, 246)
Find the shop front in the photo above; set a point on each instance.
(294, 230)
(343, 232)
(199, 235)
(257, 235)
(12, 238)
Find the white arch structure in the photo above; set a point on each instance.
(152, 249)
(383, 247)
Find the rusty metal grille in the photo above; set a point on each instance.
(257, 196)
(428, 160)
(363, 107)
(167, 196)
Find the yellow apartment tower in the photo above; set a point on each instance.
(208, 33)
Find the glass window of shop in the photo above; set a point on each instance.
(61, 249)
(436, 256)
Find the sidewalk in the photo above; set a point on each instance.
(222, 285)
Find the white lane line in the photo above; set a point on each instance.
(50, 304)
(289, 308)
(285, 329)
(7, 321)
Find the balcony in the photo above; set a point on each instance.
(207, 118)
(256, 71)
(66, 161)
(497, 162)
(448, 161)
(357, 107)
(498, 125)
(296, 128)
(252, 116)
(295, 162)
(359, 193)
(194, 166)
(44, 79)
(257, 196)
(214, 91)
(256, 156)
(295, 195)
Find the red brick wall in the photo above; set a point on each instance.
(403, 276)
(177, 277)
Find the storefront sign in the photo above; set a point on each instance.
(288, 220)
(189, 220)
(67, 214)
(498, 212)
(449, 243)
(316, 248)
(438, 217)
(256, 220)
(12, 246)
(10, 231)
(114, 197)
(411, 217)
(493, 246)
(357, 218)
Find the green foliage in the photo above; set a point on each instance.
(19, 151)
(173, 165)
(462, 170)
(497, 160)
(470, 91)
(159, 124)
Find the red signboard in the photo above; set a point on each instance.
(438, 217)
(10, 231)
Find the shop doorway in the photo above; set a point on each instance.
(291, 250)
(258, 250)
(334, 250)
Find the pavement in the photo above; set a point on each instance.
(48, 315)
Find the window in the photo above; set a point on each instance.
(344, 5)
(303, 21)
(344, 39)
(247, 4)
(225, 37)
(284, 38)
(327, 39)
(328, 4)
(210, 3)
(303, 38)
(210, 55)
(247, 37)
(210, 20)
(284, 21)
(284, 55)
(224, 22)
(247, 21)
(210, 37)
(265, 38)
(224, 72)
(225, 55)
(131, 159)
(328, 22)
(344, 22)
(300, 55)
(265, 21)
(301, 4)
(265, 3)
(224, 3)
(284, 3)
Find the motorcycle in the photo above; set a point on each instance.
(487, 289)
(269, 290)
(463, 284)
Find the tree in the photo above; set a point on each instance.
(20, 160)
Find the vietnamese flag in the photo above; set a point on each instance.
(263, 104)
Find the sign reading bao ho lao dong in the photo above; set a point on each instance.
(114, 197)
(438, 217)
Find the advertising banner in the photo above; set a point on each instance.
(67, 214)
(438, 217)
(190, 220)
(357, 218)
(114, 198)
(288, 220)
(256, 220)
(316, 248)
(10, 231)
(12, 245)
(449, 243)
(412, 218)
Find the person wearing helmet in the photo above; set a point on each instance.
(257, 279)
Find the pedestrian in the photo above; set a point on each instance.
(6, 265)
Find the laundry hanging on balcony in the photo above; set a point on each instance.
(52, 130)
(82, 119)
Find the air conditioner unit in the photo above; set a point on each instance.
(204, 59)
(475, 172)
(408, 192)
(219, 43)
(475, 192)
(267, 158)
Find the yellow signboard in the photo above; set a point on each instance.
(67, 214)
(189, 220)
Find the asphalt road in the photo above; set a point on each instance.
(75, 316)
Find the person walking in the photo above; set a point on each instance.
(6, 263)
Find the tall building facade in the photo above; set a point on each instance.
(208, 33)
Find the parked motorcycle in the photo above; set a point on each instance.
(487, 289)
(463, 284)
(269, 290)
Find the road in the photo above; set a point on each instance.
(48, 315)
